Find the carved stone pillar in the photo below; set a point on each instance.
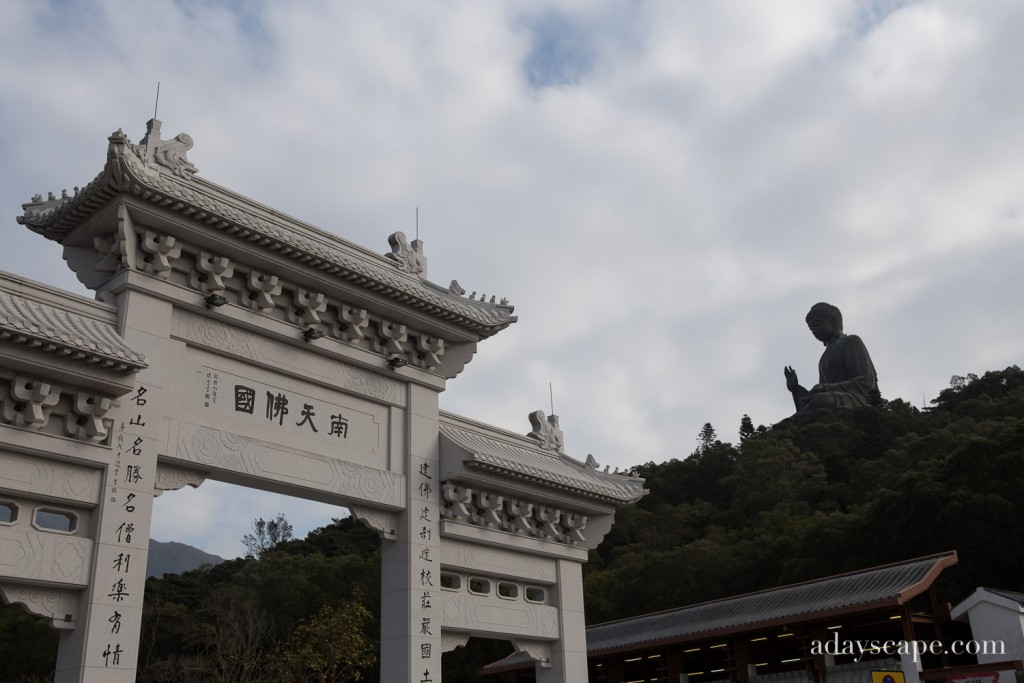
(569, 652)
(411, 642)
(103, 648)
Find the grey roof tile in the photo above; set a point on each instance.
(546, 468)
(59, 330)
(868, 588)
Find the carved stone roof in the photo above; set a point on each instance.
(63, 332)
(888, 586)
(517, 457)
(167, 179)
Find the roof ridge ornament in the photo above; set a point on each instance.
(167, 153)
(547, 431)
(408, 257)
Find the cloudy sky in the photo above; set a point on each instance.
(661, 188)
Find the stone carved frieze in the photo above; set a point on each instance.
(218, 449)
(451, 640)
(54, 478)
(488, 614)
(29, 402)
(504, 513)
(68, 560)
(472, 558)
(546, 431)
(172, 478)
(537, 650)
(42, 556)
(60, 606)
(370, 384)
(217, 335)
(246, 455)
(384, 523)
(368, 484)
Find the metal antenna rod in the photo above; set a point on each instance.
(157, 103)
(417, 222)
(551, 392)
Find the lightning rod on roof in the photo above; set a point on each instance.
(417, 222)
(156, 104)
(551, 393)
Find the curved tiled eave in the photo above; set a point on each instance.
(66, 334)
(201, 201)
(508, 456)
(550, 479)
(557, 483)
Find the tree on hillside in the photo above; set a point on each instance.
(706, 438)
(746, 427)
(330, 646)
(266, 535)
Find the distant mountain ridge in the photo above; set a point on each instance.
(175, 558)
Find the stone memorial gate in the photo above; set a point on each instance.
(230, 342)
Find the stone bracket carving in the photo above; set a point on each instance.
(172, 478)
(308, 307)
(210, 272)
(392, 339)
(489, 508)
(30, 402)
(428, 351)
(157, 252)
(504, 513)
(60, 606)
(263, 290)
(450, 641)
(457, 501)
(111, 252)
(85, 420)
(384, 523)
(534, 649)
(351, 325)
(546, 431)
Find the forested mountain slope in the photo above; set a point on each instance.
(824, 494)
(831, 492)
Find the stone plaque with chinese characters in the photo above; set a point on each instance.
(274, 409)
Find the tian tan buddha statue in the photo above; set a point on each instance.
(846, 376)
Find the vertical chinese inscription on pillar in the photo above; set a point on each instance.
(427, 572)
(130, 474)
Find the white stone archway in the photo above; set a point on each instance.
(234, 343)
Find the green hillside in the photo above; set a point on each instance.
(824, 494)
(807, 498)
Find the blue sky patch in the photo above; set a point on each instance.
(559, 52)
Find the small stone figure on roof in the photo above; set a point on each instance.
(546, 431)
(846, 375)
(409, 257)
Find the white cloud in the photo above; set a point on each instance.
(689, 180)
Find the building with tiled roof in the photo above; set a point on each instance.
(795, 633)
